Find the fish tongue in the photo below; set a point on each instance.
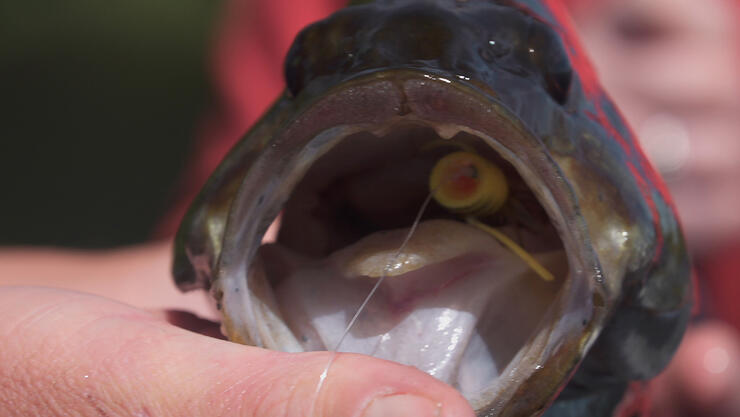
(436, 326)
(433, 328)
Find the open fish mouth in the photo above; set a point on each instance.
(347, 178)
(454, 302)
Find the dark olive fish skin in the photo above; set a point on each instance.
(521, 54)
(484, 41)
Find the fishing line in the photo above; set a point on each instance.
(393, 261)
(459, 169)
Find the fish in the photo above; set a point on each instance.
(377, 94)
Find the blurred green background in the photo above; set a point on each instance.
(99, 105)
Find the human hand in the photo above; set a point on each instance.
(138, 275)
(68, 353)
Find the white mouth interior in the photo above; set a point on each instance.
(455, 303)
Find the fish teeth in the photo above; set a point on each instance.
(447, 131)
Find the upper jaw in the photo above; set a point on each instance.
(378, 103)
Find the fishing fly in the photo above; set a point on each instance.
(470, 185)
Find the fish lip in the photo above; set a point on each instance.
(380, 99)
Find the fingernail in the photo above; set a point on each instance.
(403, 405)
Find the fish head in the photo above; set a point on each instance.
(376, 95)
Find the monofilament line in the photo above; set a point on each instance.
(388, 266)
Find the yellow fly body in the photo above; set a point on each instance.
(467, 184)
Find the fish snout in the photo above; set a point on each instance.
(468, 42)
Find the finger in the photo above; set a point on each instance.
(65, 353)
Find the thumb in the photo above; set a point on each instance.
(65, 353)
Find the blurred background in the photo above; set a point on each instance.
(99, 106)
(112, 114)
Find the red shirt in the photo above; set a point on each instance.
(247, 66)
